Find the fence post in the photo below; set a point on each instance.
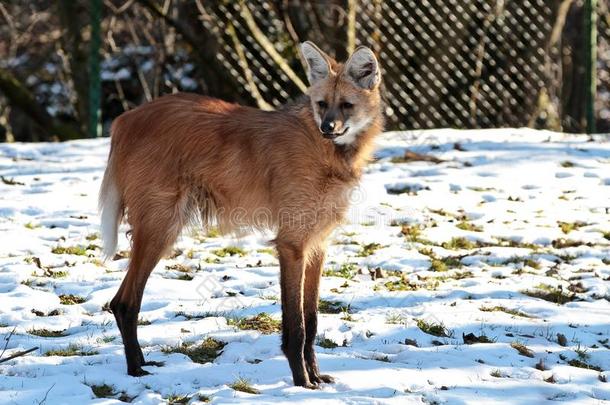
(94, 126)
(590, 62)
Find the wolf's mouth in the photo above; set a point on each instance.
(333, 135)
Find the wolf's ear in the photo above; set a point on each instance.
(363, 69)
(318, 65)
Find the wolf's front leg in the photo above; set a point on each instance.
(292, 268)
(313, 272)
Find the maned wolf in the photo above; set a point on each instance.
(185, 156)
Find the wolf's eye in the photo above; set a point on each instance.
(346, 105)
(322, 104)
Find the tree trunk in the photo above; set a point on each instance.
(71, 17)
(573, 89)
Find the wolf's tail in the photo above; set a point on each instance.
(111, 209)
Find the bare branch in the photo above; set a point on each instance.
(19, 354)
(352, 5)
(267, 45)
(243, 63)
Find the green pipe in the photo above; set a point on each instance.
(94, 126)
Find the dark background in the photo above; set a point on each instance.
(462, 64)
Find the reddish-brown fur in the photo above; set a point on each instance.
(184, 156)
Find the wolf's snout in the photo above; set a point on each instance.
(327, 127)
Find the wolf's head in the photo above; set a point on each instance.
(345, 97)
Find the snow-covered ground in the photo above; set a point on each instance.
(502, 249)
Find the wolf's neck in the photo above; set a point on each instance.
(359, 152)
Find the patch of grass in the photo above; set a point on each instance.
(69, 250)
(550, 293)
(469, 226)
(582, 364)
(522, 349)
(459, 243)
(143, 322)
(203, 398)
(269, 251)
(106, 339)
(426, 252)
(31, 225)
(402, 284)
(507, 242)
(243, 385)
(71, 299)
(327, 343)
(606, 235)
(433, 328)
(103, 391)
(567, 227)
(346, 315)
(73, 250)
(33, 283)
(92, 236)
(262, 322)
(229, 251)
(346, 270)
(442, 213)
(178, 399)
(445, 263)
(534, 264)
(331, 307)
(562, 243)
(582, 353)
(458, 275)
(496, 373)
(71, 350)
(178, 267)
(411, 232)
(499, 308)
(212, 260)
(567, 164)
(369, 249)
(205, 352)
(46, 332)
(395, 319)
(195, 316)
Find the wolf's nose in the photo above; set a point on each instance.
(327, 127)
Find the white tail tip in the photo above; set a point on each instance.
(110, 207)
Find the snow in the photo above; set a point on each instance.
(503, 193)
